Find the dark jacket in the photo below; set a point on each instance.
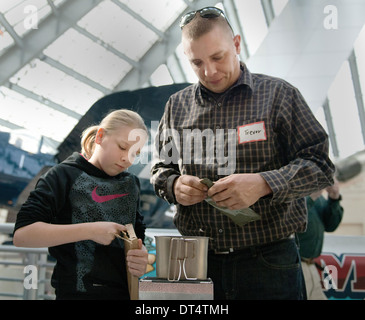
(324, 215)
(75, 191)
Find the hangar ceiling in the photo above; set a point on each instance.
(58, 57)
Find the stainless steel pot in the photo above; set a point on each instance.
(181, 257)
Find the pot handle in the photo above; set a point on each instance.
(179, 258)
(172, 243)
(194, 241)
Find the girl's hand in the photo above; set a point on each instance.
(137, 260)
(103, 232)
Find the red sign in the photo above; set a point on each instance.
(347, 273)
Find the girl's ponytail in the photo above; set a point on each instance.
(114, 120)
(88, 141)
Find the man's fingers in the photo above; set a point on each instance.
(193, 182)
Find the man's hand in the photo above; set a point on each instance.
(334, 191)
(188, 190)
(239, 191)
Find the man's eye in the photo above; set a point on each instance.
(217, 58)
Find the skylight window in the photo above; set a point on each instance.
(119, 29)
(88, 58)
(152, 13)
(53, 84)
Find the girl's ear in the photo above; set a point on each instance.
(99, 135)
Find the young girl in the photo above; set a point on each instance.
(80, 205)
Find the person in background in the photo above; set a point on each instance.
(324, 215)
(257, 140)
(81, 205)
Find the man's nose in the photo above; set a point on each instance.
(210, 69)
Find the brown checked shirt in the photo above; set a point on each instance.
(260, 125)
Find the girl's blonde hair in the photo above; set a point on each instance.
(113, 121)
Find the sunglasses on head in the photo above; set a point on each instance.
(206, 13)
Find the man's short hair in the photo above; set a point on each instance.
(200, 26)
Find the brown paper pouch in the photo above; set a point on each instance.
(131, 242)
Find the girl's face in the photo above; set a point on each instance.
(115, 151)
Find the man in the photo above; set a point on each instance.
(324, 215)
(257, 140)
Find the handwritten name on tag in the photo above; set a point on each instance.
(252, 132)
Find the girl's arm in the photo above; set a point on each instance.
(41, 234)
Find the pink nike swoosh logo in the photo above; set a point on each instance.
(101, 199)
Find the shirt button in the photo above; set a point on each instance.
(219, 104)
(220, 230)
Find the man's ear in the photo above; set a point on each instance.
(99, 135)
(237, 43)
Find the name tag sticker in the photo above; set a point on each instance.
(252, 132)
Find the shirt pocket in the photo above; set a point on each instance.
(255, 145)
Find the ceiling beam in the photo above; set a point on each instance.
(158, 53)
(35, 41)
(106, 46)
(43, 100)
(9, 125)
(12, 126)
(58, 65)
(358, 91)
(230, 9)
(53, 7)
(268, 10)
(311, 52)
(175, 68)
(331, 128)
(139, 18)
(11, 30)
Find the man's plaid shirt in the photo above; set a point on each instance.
(274, 134)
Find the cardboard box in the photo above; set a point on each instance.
(161, 289)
